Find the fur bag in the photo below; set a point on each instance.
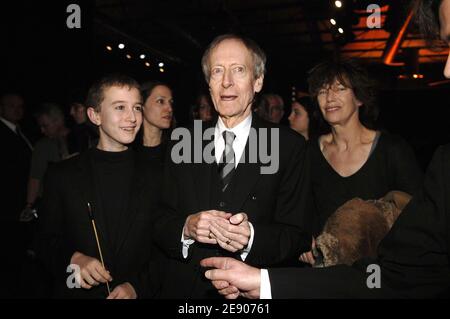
(356, 228)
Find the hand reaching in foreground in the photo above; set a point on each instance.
(233, 278)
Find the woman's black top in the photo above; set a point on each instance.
(391, 165)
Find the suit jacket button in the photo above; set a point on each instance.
(222, 204)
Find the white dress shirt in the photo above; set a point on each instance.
(265, 291)
(241, 131)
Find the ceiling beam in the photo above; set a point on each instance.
(396, 39)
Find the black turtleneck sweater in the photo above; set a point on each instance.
(113, 176)
(147, 153)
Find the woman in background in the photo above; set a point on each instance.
(157, 120)
(303, 118)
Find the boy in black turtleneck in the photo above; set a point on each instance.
(121, 193)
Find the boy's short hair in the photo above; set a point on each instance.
(95, 94)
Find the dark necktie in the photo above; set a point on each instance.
(228, 161)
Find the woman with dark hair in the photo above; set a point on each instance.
(157, 121)
(303, 118)
(353, 159)
(345, 76)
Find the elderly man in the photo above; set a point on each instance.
(229, 205)
(413, 259)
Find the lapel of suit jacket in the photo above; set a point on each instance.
(6, 131)
(92, 196)
(134, 201)
(246, 176)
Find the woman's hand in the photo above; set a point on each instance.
(308, 257)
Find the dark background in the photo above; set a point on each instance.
(45, 61)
